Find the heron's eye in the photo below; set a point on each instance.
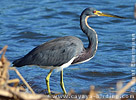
(94, 11)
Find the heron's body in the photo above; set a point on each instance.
(64, 51)
(53, 53)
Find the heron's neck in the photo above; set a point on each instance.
(90, 32)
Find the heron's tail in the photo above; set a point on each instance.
(18, 63)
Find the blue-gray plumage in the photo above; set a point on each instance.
(53, 53)
(65, 51)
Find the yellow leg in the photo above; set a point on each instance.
(62, 83)
(47, 81)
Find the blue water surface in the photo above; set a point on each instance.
(25, 24)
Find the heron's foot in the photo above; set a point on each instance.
(48, 86)
(47, 81)
(63, 88)
(62, 83)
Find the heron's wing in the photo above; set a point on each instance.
(53, 53)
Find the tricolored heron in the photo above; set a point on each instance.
(64, 51)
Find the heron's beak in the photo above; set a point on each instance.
(99, 13)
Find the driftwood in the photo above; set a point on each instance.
(16, 92)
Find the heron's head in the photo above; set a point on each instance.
(93, 12)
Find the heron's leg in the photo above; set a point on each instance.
(47, 81)
(61, 82)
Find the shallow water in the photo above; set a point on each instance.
(25, 24)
